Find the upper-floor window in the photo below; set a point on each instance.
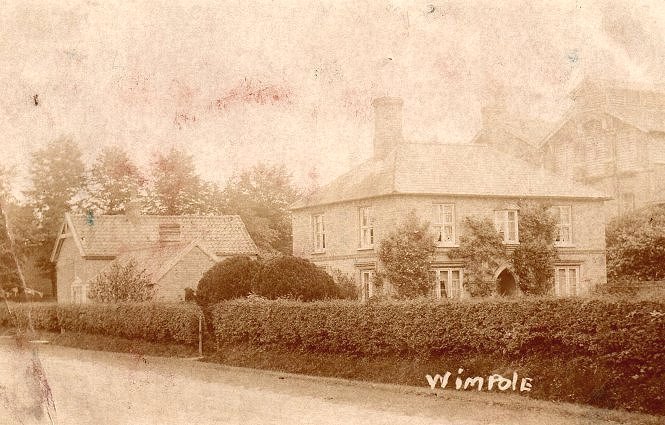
(564, 224)
(566, 280)
(366, 216)
(448, 283)
(318, 233)
(443, 224)
(505, 222)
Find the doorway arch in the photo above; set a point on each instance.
(506, 283)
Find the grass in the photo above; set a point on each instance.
(112, 344)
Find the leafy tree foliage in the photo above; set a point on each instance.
(406, 254)
(57, 176)
(121, 282)
(228, 279)
(261, 196)
(636, 245)
(533, 260)
(113, 180)
(176, 188)
(482, 250)
(58, 179)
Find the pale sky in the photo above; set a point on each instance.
(151, 75)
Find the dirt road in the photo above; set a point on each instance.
(89, 387)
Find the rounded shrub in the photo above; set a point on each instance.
(295, 278)
(228, 279)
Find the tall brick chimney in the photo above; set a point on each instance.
(387, 125)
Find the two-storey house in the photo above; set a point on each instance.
(341, 225)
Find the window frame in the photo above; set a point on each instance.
(368, 286)
(82, 297)
(369, 227)
(318, 233)
(563, 289)
(622, 202)
(447, 284)
(560, 224)
(439, 224)
(502, 226)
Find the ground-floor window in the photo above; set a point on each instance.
(368, 284)
(79, 293)
(566, 280)
(448, 282)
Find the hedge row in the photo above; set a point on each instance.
(156, 322)
(570, 327)
(608, 353)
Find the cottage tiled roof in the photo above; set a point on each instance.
(447, 169)
(157, 259)
(109, 235)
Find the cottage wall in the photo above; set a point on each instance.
(342, 233)
(70, 266)
(185, 274)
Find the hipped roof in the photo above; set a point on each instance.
(447, 169)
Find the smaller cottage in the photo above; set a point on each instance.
(175, 251)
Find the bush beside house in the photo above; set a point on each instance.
(607, 353)
(280, 277)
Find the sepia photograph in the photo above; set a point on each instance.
(332, 212)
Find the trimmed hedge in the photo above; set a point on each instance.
(617, 347)
(156, 322)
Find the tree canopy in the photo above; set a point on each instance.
(113, 180)
(636, 245)
(261, 196)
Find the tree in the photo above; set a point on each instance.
(57, 178)
(262, 196)
(406, 254)
(177, 189)
(482, 250)
(533, 260)
(121, 282)
(636, 245)
(113, 180)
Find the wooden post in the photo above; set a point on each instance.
(200, 336)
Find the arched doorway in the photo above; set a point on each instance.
(506, 285)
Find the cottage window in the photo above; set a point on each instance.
(318, 233)
(79, 293)
(448, 282)
(563, 215)
(366, 227)
(566, 281)
(505, 222)
(443, 224)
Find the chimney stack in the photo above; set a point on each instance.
(133, 209)
(387, 125)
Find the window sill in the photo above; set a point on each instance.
(440, 245)
(317, 252)
(367, 248)
(564, 245)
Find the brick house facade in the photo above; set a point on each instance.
(174, 251)
(340, 226)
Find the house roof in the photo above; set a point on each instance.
(447, 169)
(109, 235)
(158, 259)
